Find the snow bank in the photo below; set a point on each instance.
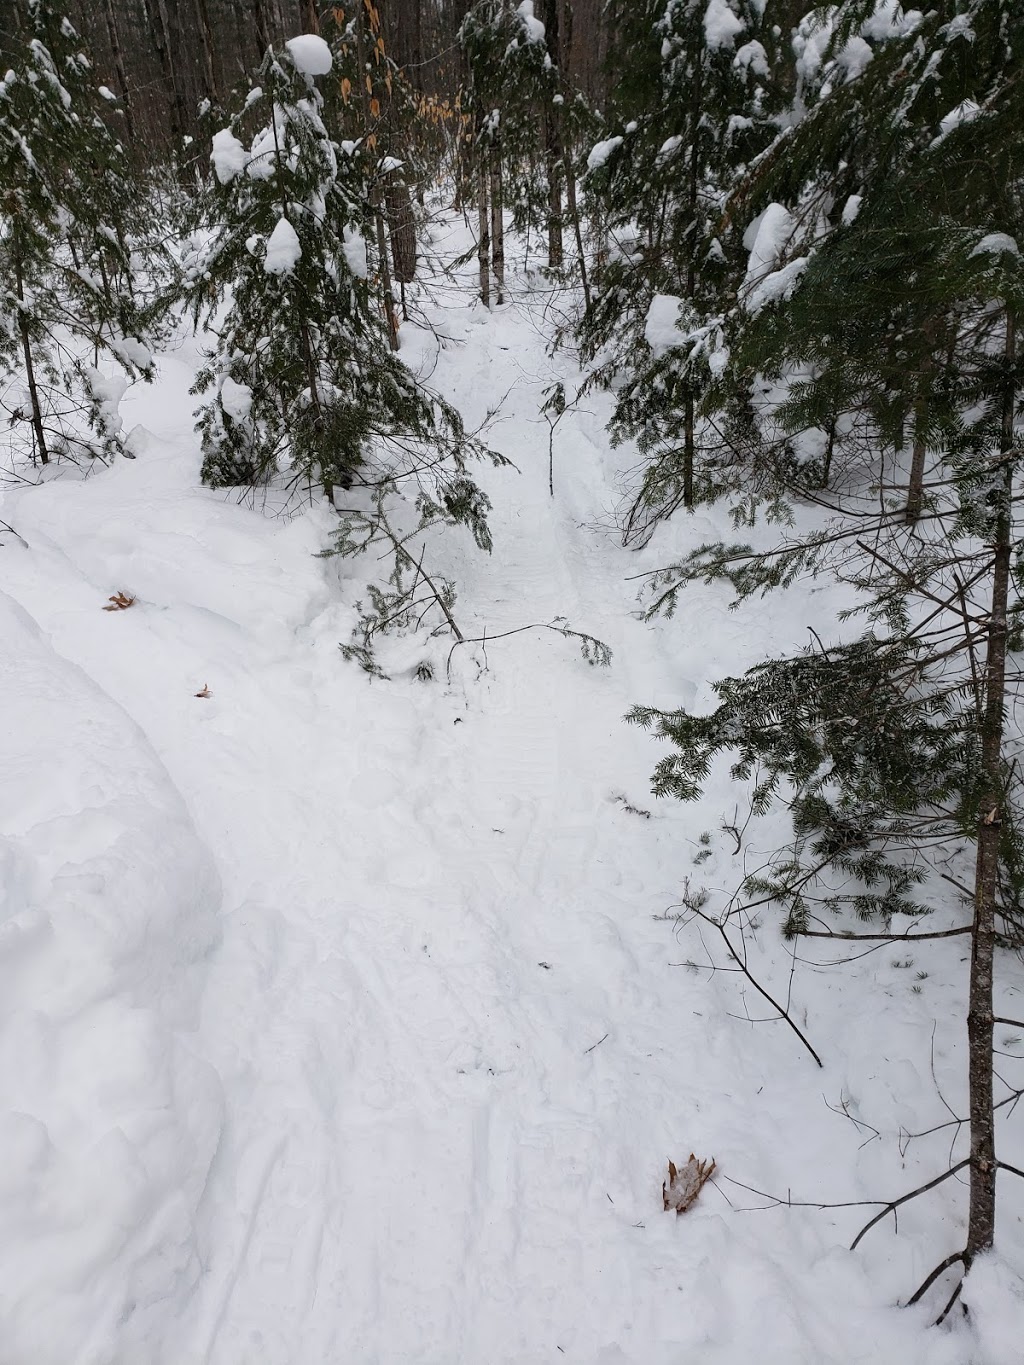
(310, 54)
(107, 1123)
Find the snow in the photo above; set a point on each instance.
(965, 112)
(310, 54)
(997, 244)
(721, 24)
(229, 156)
(108, 900)
(235, 398)
(752, 57)
(353, 244)
(283, 249)
(340, 1020)
(133, 351)
(851, 209)
(661, 329)
(855, 57)
(601, 151)
(534, 28)
(767, 239)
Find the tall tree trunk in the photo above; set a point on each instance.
(980, 1023)
(206, 43)
(26, 348)
(383, 265)
(577, 230)
(483, 249)
(553, 141)
(497, 223)
(693, 196)
(117, 53)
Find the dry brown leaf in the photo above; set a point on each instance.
(204, 692)
(120, 601)
(685, 1183)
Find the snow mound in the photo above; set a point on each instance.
(310, 54)
(108, 1124)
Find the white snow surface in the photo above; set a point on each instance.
(283, 249)
(310, 54)
(340, 1024)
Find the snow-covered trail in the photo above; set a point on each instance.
(454, 1046)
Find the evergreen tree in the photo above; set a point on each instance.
(69, 221)
(893, 295)
(698, 93)
(303, 379)
(303, 384)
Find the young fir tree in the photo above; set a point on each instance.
(526, 122)
(70, 216)
(698, 95)
(904, 283)
(303, 384)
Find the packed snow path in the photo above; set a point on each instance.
(435, 1049)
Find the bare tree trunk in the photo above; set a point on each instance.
(980, 1022)
(383, 265)
(497, 224)
(553, 166)
(26, 349)
(574, 218)
(484, 243)
(117, 54)
(693, 188)
(206, 42)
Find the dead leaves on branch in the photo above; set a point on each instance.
(684, 1184)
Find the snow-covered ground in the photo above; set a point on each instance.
(340, 1025)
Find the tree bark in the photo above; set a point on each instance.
(206, 37)
(26, 349)
(980, 1017)
(117, 53)
(483, 249)
(497, 224)
(383, 265)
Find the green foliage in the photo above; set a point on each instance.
(303, 383)
(866, 363)
(72, 239)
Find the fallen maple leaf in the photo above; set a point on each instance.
(120, 601)
(684, 1185)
